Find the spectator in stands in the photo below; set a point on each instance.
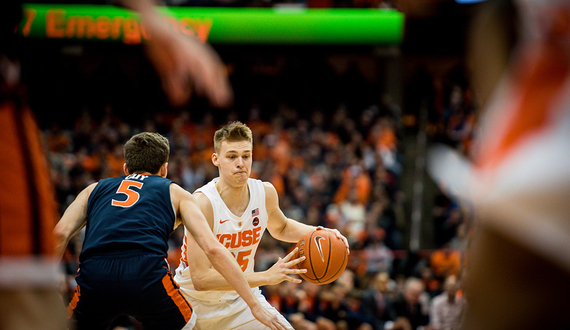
(354, 214)
(356, 316)
(447, 309)
(445, 262)
(376, 301)
(377, 255)
(431, 283)
(412, 304)
(401, 323)
(332, 307)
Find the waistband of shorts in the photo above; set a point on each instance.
(218, 301)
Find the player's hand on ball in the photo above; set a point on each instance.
(326, 253)
(283, 268)
(338, 235)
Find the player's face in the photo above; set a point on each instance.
(234, 161)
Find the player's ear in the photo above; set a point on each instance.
(163, 170)
(125, 169)
(215, 159)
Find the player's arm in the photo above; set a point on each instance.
(219, 256)
(286, 229)
(183, 63)
(73, 220)
(206, 278)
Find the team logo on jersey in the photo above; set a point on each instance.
(318, 242)
(222, 221)
(240, 239)
(255, 221)
(255, 212)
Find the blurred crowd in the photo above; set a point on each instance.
(338, 170)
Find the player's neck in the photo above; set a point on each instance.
(236, 198)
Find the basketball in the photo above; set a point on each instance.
(326, 256)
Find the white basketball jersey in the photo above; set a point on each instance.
(239, 234)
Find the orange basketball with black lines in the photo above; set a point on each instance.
(326, 256)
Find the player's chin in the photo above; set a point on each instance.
(241, 177)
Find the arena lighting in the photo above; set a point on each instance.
(218, 25)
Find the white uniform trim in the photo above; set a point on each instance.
(192, 322)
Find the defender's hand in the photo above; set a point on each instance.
(182, 61)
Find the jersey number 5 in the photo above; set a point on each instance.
(132, 196)
(242, 259)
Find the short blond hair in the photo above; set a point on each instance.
(232, 132)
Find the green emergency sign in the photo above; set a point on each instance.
(218, 25)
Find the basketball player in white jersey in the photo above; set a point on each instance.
(238, 209)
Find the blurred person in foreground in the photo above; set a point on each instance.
(29, 275)
(238, 210)
(518, 273)
(123, 268)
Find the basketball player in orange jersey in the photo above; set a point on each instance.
(28, 212)
(518, 266)
(238, 210)
(29, 273)
(127, 220)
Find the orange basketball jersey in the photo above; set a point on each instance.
(28, 211)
